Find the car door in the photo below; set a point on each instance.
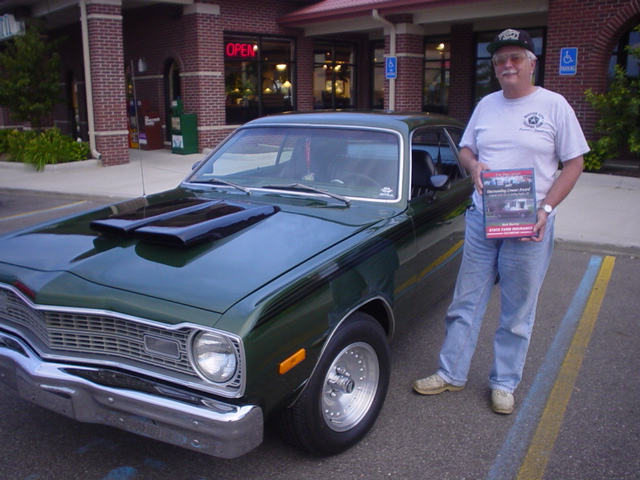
(440, 192)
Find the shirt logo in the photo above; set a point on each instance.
(533, 120)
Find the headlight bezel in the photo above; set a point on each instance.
(236, 380)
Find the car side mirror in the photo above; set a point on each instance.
(439, 182)
(196, 165)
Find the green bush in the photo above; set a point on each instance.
(4, 140)
(619, 117)
(17, 142)
(45, 148)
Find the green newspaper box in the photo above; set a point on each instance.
(184, 130)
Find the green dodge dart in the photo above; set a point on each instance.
(266, 286)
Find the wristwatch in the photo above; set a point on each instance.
(546, 208)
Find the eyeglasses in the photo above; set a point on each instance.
(516, 58)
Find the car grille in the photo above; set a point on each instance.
(96, 335)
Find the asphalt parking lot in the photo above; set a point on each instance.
(577, 411)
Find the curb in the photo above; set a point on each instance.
(27, 167)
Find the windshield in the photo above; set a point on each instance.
(345, 161)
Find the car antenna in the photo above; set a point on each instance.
(135, 108)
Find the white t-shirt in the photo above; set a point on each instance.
(533, 131)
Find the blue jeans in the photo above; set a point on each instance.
(522, 267)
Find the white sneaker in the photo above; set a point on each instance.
(502, 402)
(433, 385)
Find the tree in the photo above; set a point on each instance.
(619, 117)
(29, 77)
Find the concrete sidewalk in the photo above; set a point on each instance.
(149, 171)
(603, 210)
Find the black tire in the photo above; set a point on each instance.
(337, 409)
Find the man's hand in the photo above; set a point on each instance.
(471, 164)
(539, 228)
(476, 175)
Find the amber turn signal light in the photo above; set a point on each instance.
(292, 361)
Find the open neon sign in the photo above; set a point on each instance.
(243, 50)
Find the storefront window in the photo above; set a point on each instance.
(621, 57)
(333, 82)
(437, 57)
(377, 91)
(486, 81)
(259, 76)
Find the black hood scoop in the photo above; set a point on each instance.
(186, 224)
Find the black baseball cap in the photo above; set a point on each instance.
(511, 36)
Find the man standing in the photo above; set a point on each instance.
(521, 126)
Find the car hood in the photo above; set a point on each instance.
(250, 245)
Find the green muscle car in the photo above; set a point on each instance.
(267, 285)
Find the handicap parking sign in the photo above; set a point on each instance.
(568, 61)
(391, 67)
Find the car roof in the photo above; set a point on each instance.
(398, 121)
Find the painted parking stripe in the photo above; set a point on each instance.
(512, 453)
(544, 439)
(46, 210)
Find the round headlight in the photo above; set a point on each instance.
(215, 356)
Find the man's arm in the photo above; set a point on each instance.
(562, 186)
(571, 170)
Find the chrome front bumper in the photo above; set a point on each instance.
(130, 403)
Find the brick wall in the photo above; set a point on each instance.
(162, 33)
(462, 72)
(304, 75)
(410, 53)
(594, 27)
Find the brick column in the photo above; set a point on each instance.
(410, 55)
(202, 73)
(104, 21)
(409, 84)
(461, 78)
(304, 73)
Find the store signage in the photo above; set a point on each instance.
(241, 50)
(568, 61)
(10, 27)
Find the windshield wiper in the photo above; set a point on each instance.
(214, 180)
(306, 188)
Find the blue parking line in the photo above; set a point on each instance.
(515, 446)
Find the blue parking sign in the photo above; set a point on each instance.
(568, 61)
(391, 67)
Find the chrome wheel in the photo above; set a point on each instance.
(350, 386)
(344, 396)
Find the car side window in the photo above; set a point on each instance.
(434, 160)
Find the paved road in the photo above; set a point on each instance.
(583, 360)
